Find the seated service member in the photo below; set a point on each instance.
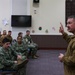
(3, 36)
(9, 36)
(8, 58)
(20, 48)
(31, 45)
(20, 34)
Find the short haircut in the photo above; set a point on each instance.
(4, 30)
(5, 40)
(72, 16)
(9, 31)
(19, 37)
(27, 30)
(20, 33)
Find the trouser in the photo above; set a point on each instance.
(22, 71)
(33, 48)
(20, 68)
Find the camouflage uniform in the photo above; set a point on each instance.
(10, 38)
(69, 57)
(20, 49)
(7, 58)
(31, 45)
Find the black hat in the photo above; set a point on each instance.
(5, 40)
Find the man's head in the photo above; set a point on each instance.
(27, 32)
(6, 43)
(71, 24)
(9, 32)
(4, 32)
(20, 34)
(19, 39)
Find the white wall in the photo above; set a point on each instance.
(49, 14)
(13, 7)
(20, 7)
(5, 13)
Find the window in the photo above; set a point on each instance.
(70, 8)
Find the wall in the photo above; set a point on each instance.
(20, 7)
(5, 13)
(50, 41)
(49, 14)
(13, 7)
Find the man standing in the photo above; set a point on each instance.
(69, 58)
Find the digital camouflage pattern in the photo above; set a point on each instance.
(7, 58)
(33, 46)
(20, 49)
